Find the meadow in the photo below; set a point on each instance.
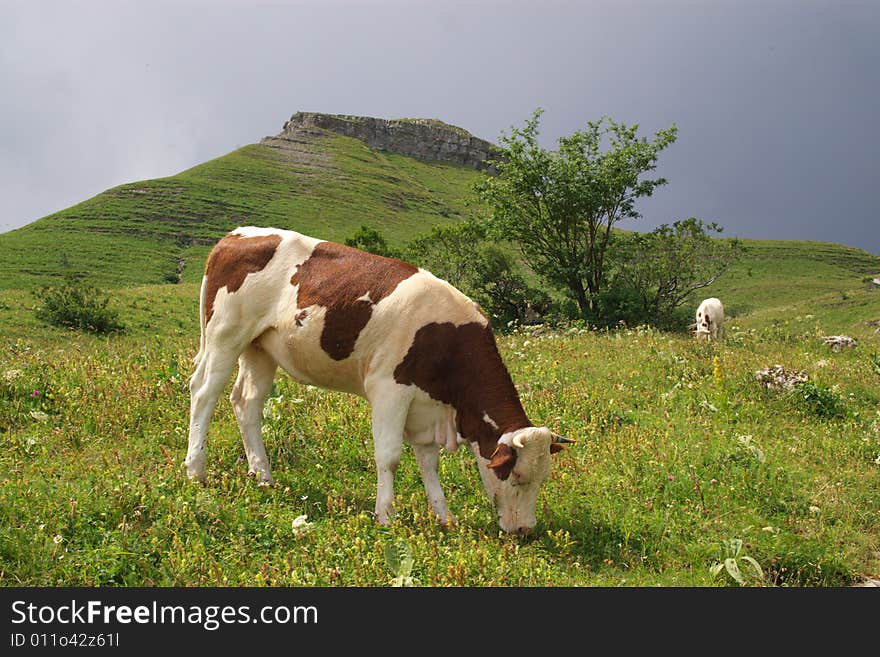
(160, 230)
(686, 471)
(682, 461)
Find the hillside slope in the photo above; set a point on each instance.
(789, 282)
(326, 175)
(154, 231)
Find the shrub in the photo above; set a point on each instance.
(503, 292)
(371, 240)
(819, 400)
(78, 305)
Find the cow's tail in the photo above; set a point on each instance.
(200, 355)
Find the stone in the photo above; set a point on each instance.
(838, 342)
(427, 139)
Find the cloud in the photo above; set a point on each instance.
(775, 101)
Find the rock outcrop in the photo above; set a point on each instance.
(428, 139)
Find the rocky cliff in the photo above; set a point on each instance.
(428, 139)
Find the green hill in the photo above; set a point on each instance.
(779, 282)
(314, 178)
(155, 230)
(680, 452)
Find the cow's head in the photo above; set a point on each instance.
(514, 474)
(703, 327)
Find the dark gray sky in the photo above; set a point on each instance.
(777, 102)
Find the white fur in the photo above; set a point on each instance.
(257, 327)
(710, 320)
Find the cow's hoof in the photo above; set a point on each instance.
(450, 523)
(195, 475)
(262, 478)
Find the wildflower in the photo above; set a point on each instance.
(57, 539)
(670, 478)
(717, 372)
(11, 375)
(36, 393)
(300, 526)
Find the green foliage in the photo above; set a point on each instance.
(638, 501)
(655, 471)
(371, 240)
(560, 206)
(503, 292)
(749, 447)
(399, 560)
(79, 305)
(136, 233)
(26, 396)
(662, 269)
(462, 255)
(731, 558)
(449, 251)
(819, 400)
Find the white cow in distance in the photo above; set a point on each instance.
(710, 320)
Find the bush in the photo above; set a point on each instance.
(656, 273)
(819, 400)
(503, 292)
(372, 241)
(462, 255)
(78, 305)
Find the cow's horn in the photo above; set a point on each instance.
(561, 439)
(517, 441)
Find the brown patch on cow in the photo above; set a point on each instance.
(503, 460)
(461, 366)
(230, 262)
(556, 448)
(339, 278)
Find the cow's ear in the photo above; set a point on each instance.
(503, 460)
(559, 443)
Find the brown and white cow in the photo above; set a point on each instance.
(710, 320)
(419, 350)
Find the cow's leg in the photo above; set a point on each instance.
(428, 458)
(205, 386)
(390, 406)
(256, 371)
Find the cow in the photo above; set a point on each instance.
(710, 320)
(419, 350)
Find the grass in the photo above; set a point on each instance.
(679, 451)
(156, 231)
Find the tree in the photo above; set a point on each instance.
(560, 206)
(665, 267)
(448, 251)
(502, 290)
(371, 240)
(460, 254)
